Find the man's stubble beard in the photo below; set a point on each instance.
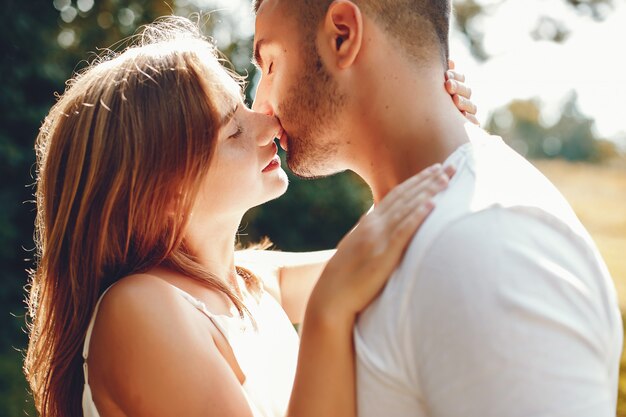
(311, 110)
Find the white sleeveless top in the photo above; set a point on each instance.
(266, 353)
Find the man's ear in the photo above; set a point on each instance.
(343, 30)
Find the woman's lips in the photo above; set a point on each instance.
(275, 161)
(274, 164)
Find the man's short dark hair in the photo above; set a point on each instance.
(419, 26)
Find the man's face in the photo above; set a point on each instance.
(297, 88)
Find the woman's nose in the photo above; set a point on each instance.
(270, 129)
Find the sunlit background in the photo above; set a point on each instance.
(552, 52)
(547, 75)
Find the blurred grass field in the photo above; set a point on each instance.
(598, 195)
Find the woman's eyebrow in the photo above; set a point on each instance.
(229, 115)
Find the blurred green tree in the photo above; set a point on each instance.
(29, 76)
(468, 14)
(46, 42)
(571, 137)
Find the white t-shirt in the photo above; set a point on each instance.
(501, 307)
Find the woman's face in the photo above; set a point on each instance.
(245, 170)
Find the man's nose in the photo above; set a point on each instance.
(262, 107)
(261, 103)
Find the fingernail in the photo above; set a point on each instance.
(434, 168)
(425, 207)
(450, 169)
(450, 75)
(452, 86)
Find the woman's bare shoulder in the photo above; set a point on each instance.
(137, 317)
(132, 303)
(134, 293)
(148, 343)
(140, 309)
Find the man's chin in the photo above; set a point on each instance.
(310, 157)
(309, 170)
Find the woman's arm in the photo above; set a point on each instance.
(288, 276)
(325, 377)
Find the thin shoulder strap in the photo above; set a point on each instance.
(88, 335)
(215, 319)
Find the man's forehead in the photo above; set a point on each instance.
(271, 19)
(257, 5)
(270, 10)
(261, 6)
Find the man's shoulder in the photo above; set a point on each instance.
(499, 254)
(493, 181)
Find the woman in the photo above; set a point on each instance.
(146, 165)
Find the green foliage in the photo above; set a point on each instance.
(34, 67)
(313, 215)
(27, 30)
(15, 400)
(46, 42)
(572, 137)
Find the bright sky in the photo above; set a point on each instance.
(592, 61)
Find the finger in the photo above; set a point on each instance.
(427, 190)
(421, 203)
(453, 75)
(464, 104)
(405, 221)
(410, 220)
(414, 186)
(472, 118)
(407, 227)
(449, 170)
(429, 185)
(457, 87)
(401, 189)
(414, 198)
(451, 64)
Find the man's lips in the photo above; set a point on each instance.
(283, 139)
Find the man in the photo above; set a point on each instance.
(502, 305)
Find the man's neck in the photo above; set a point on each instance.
(412, 123)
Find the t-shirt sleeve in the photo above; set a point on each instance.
(510, 317)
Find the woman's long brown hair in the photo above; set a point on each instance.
(119, 159)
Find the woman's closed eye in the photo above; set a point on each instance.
(237, 133)
(270, 68)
